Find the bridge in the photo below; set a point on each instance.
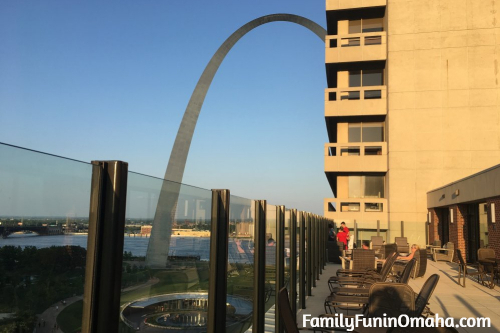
(5, 231)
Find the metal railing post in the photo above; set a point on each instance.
(108, 198)
(302, 259)
(219, 235)
(259, 297)
(318, 246)
(280, 260)
(309, 277)
(314, 250)
(293, 261)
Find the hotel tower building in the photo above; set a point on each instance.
(412, 104)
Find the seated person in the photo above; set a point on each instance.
(414, 248)
(365, 245)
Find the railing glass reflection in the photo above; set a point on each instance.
(173, 295)
(44, 207)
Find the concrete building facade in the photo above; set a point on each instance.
(412, 104)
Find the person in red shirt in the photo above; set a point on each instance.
(342, 237)
(346, 229)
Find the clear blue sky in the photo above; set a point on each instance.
(107, 80)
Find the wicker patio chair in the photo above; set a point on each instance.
(405, 276)
(362, 261)
(398, 299)
(365, 291)
(488, 265)
(386, 249)
(387, 299)
(363, 277)
(463, 271)
(425, 294)
(359, 301)
(420, 265)
(402, 243)
(445, 253)
(376, 242)
(484, 254)
(435, 244)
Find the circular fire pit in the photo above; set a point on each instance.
(186, 311)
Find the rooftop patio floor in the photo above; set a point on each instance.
(448, 300)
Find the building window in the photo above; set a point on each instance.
(366, 25)
(366, 78)
(349, 207)
(366, 132)
(374, 207)
(366, 186)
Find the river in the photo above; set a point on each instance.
(179, 246)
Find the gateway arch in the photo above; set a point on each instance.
(159, 243)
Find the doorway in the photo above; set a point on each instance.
(444, 225)
(477, 229)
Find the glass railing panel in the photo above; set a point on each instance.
(166, 262)
(288, 267)
(44, 209)
(240, 275)
(270, 283)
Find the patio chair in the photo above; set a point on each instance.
(405, 276)
(287, 317)
(395, 299)
(363, 276)
(488, 265)
(402, 243)
(376, 243)
(420, 265)
(485, 254)
(361, 262)
(359, 301)
(463, 271)
(436, 243)
(445, 253)
(425, 294)
(386, 249)
(386, 299)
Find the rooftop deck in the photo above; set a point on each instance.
(448, 300)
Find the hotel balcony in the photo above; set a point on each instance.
(348, 4)
(356, 101)
(356, 47)
(356, 157)
(359, 209)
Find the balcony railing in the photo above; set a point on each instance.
(356, 157)
(356, 47)
(347, 4)
(368, 209)
(209, 247)
(356, 101)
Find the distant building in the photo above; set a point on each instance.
(411, 105)
(146, 229)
